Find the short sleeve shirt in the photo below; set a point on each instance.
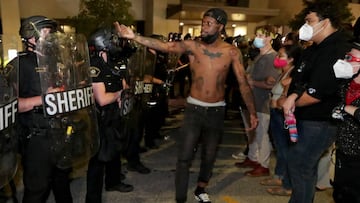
(263, 68)
(101, 72)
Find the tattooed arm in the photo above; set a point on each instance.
(174, 47)
(245, 90)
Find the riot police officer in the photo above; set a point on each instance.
(8, 139)
(41, 173)
(156, 109)
(108, 83)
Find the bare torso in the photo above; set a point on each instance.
(209, 67)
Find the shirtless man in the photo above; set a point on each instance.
(210, 61)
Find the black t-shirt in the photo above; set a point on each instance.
(316, 76)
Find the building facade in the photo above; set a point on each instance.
(164, 16)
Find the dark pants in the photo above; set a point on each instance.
(95, 177)
(303, 157)
(347, 179)
(152, 125)
(154, 119)
(281, 139)
(204, 124)
(134, 128)
(41, 174)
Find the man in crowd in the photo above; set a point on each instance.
(313, 95)
(210, 60)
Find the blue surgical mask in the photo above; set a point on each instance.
(259, 42)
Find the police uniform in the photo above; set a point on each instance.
(41, 173)
(135, 122)
(107, 160)
(154, 116)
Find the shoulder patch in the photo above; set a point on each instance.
(94, 71)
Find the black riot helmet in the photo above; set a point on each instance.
(101, 39)
(104, 39)
(31, 26)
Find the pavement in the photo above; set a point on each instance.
(228, 184)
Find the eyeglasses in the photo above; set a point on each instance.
(351, 58)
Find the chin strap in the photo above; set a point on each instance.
(30, 45)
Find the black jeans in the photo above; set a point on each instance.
(204, 124)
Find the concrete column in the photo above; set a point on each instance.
(161, 25)
(10, 16)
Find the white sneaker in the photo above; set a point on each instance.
(203, 198)
(239, 155)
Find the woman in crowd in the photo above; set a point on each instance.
(287, 57)
(347, 177)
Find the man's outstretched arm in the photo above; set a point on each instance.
(126, 32)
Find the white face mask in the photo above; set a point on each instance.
(343, 69)
(306, 32)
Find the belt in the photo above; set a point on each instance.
(38, 110)
(204, 108)
(40, 122)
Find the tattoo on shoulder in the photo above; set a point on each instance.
(212, 54)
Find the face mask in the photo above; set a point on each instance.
(259, 42)
(210, 38)
(343, 69)
(280, 63)
(306, 32)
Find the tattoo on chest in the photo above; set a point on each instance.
(188, 52)
(212, 54)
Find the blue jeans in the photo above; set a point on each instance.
(303, 157)
(204, 125)
(281, 140)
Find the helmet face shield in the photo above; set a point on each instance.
(32, 26)
(101, 39)
(105, 40)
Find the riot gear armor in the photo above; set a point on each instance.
(117, 48)
(31, 26)
(8, 112)
(68, 114)
(100, 39)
